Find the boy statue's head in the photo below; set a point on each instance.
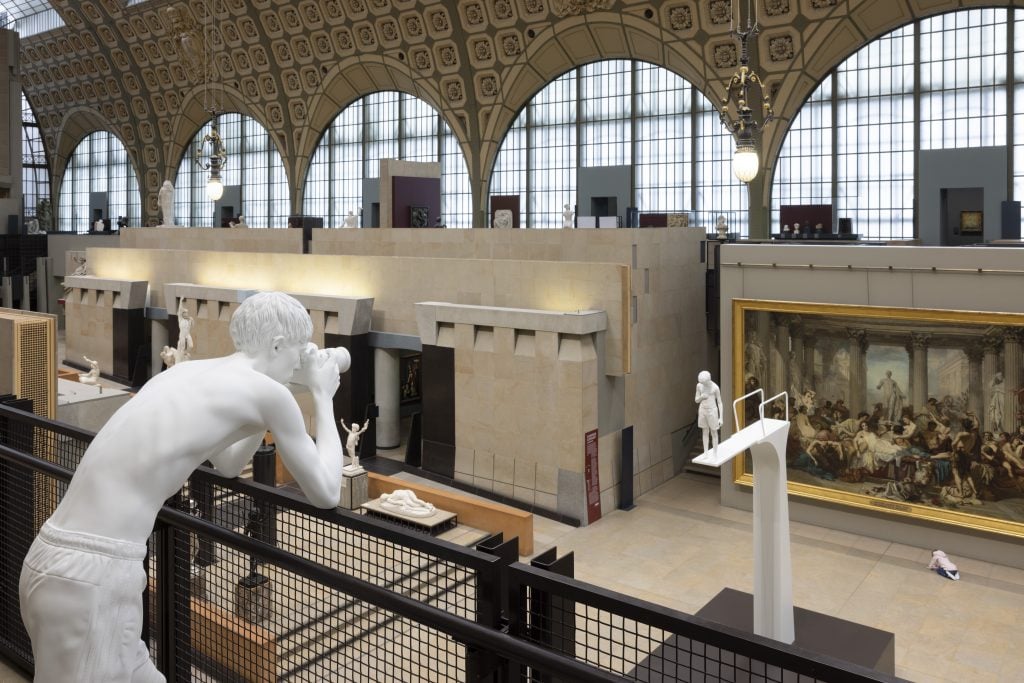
(268, 319)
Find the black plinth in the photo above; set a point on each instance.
(837, 638)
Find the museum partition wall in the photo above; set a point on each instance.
(531, 341)
(905, 371)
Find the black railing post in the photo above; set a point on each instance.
(553, 617)
(174, 601)
(492, 607)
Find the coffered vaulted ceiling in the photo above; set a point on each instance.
(137, 70)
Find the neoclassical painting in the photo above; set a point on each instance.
(911, 411)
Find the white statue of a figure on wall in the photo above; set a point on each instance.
(709, 409)
(567, 215)
(238, 223)
(93, 375)
(83, 577)
(166, 197)
(995, 403)
(185, 341)
(721, 228)
(352, 443)
(350, 220)
(405, 502)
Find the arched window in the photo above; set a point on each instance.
(35, 172)
(856, 140)
(255, 184)
(384, 125)
(621, 113)
(99, 182)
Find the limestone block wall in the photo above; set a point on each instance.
(89, 309)
(526, 393)
(668, 344)
(214, 239)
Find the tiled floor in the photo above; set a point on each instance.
(679, 547)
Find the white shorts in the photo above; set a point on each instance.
(81, 602)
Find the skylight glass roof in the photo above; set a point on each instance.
(29, 17)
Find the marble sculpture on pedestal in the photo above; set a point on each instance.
(82, 580)
(405, 502)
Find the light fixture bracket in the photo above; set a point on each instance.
(742, 88)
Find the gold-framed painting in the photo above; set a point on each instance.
(914, 412)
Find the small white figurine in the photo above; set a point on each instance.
(33, 226)
(169, 356)
(405, 502)
(98, 225)
(82, 269)
(93, 375)
(350, 220)
(352, 443)
(709, 412)
(166, 196)
(240, 223)
(567, 215)
(82, 580)
(185, 342)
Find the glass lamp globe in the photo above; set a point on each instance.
(214, 188)
(745, 164)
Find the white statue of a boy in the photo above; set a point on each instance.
(566, 216)
(350, 220)
(709, 410)
(82, 580)
(352, 442)
(185, 341)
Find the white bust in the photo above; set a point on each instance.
(350, 220)
(98, 225)
(567, 214)
(166, 197)
(503, 218)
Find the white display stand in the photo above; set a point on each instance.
(773, 571)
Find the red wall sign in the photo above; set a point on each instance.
(592, 479)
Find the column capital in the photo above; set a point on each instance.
(858, 337)
(1013, 335)
(992, 342)
(919, 340)
(974, 351)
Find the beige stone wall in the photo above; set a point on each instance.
(395, 284)
(89, 327)
(544, 269)
(668, 343)
(214, 239)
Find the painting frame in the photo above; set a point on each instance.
(971, 223)
(967, 517)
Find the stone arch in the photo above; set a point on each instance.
(77, 124)
(349, 80)
(192, 116)
(567, 45)
(833, 40)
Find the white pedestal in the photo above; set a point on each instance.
(773, 571)
(356, 490)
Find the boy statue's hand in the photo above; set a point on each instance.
(319, 370)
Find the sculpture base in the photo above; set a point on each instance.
(356, 490)
(435, 524)
(254, 596)
(863, 645)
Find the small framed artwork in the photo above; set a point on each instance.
(409, 373)
(971, 222)
(419, 216)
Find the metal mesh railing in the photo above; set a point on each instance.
(247, 582)
(645, 642)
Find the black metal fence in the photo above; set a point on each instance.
(248, 582)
